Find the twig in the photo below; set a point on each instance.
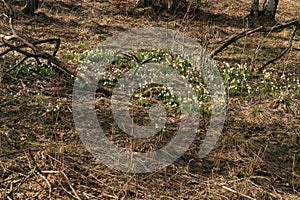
(36, 170)
(70, 185)
(47, 182)
(49, 172)
(283, 52)
(236, 192)
(50, 40)
(234, 38)
(16, 65)
(41, 54)
(19, 182)
(37, 52)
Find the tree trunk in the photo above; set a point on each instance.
(161, 4)
(30, 7)
(254, 8)
(155, 3)
(266, 17)
(270, 7)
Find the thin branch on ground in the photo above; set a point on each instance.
(70, 185)
(283, 52)
(236, 192)
(34, 50)
(234, 38)
(37, 172)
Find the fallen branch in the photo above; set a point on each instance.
(34, 51)
(283, 52)
(234, 38)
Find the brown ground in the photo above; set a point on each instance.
(257, 156)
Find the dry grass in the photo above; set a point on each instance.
(257, 156)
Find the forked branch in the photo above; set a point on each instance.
(30, 49)
(295, 23)
(283, 52)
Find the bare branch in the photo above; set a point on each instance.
(234, 38)
(37, 52)
(283, 52)
(16, 65)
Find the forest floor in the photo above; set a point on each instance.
(256, 157)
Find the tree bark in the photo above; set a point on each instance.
(266, 17)
(153, 3)
(161, 4)
(270, 8)
(254, 8)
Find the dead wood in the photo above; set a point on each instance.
(295, 23)
(30, 49)
(283, 52)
